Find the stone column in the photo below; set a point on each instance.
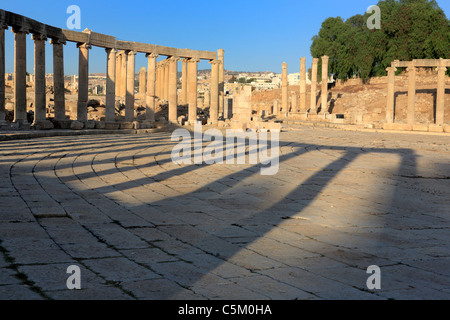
(129, 98)
(294, 103)
(276, 108)
(220, 57)
(411, 94)
(58, 79)
(303, 85)
(118, 73)
(110, 104)
(324, 108)
(20, 77)
(151, 87)
(2, 74)
(284, 88)
(440, 95)
(142, 80)
(40, 98)
(313, 109)
(172, 92)
(390, 117)
(123, 75)
(214, 108)
(166, 80)
(192, 89)
(184, 82)
(83, 82)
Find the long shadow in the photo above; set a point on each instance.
(319, 180)
(312, 187)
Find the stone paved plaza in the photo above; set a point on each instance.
(141, 227)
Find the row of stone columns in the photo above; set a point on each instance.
(412, 70)
(161, 81)
(303, 102)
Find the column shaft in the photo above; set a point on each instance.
(58, 80)
(39, 79)
(313, 109)
(192, 78)
(220, 57)
(129, 98)
(2, 74)
(214, 103)
(303, 85)
(172, 89)
(324, 107)
(411, 95)
(123, 75)
(440, 95)
(110, 105)
(83, 82)
(390, 112)
(166, 80)
(184, 82)
(284, 88)
(151, 88)
(20, 77)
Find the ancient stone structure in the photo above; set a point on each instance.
(441, 66)
(324, 91)
(284, 88)
(303, 84)
(160, 83)
(313, 105)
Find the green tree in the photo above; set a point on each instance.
(410, 29)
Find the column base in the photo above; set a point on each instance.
(43, 125)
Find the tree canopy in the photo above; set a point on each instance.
(410, 29)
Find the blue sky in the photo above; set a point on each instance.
(256, 35)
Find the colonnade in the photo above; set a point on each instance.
(161, 78)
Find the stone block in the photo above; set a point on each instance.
(99, 125)
(44, 125)
(90, 124)
(397, 126)
(420, 127)
(62, 124)
(112, 125)
(238, 125)
(447, 128)
(76, 125)
(126, 125)
(435, 128)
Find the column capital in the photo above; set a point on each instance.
(325, 58)
(131, 52)
(16, 29)
(110, 50)
(194, 60)
(213, 62)
(315, 60)
(152, 55)
(411, 68)
(84, 46)
(391, 69)
(284, 65)
(441, 68)
(57, 41)
(38, 36)
(172, 59)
